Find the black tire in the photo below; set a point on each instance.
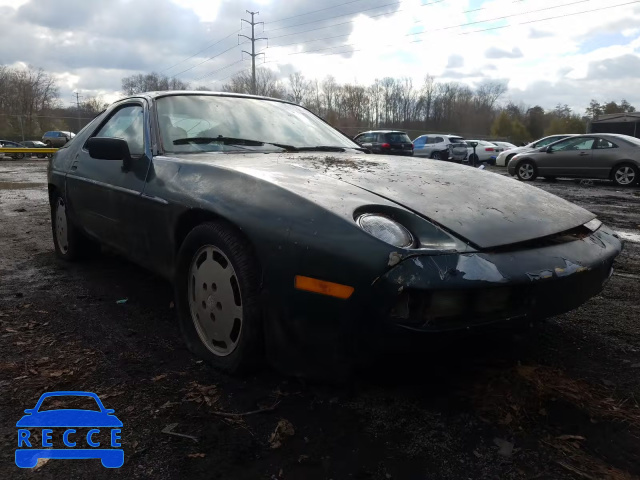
(621, 175)
(48, 144)
(526, 171)
(41, 155)
(249, 349)
(18, 156)
(551, 178)
(77, 245)
(436, 156)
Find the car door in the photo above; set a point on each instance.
(104, 195)
(567, 157)
(419, 147)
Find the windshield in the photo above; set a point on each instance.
(208, 117)
(66, 402)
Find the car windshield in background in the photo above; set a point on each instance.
(396, 137)
(205, 118)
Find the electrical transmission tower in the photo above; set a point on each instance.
(78, 97)
(253, 53)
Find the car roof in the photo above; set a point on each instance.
(173, 93)
(383, 131)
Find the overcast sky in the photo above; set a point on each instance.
(548, 51)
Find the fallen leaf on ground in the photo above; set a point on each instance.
(57, 373)
(196, 455)
(570, 437)
(283, 430)
(505, 447)
(159, 377)
(41, 463)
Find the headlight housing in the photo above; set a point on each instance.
(386, 229)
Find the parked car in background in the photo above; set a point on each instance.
(284, 240)
(611, 156)
(387, 142)
(504, 145)
(503, 158)
(440, 147)
(485, 151)
(35, 144)
(57, 139)
(10, 144)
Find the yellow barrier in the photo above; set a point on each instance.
(28, 150)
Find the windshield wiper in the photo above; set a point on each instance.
(231, 141)
(258, 143)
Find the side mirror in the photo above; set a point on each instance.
(103, 148)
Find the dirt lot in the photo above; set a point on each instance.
(561, 402)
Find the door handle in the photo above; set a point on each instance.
(74, 165)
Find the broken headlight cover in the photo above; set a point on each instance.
(385, 229)
(593, 225)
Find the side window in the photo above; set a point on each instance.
(127, 123)
(419, 142)
(601, 143)
(439, 140)
(574, 144)
(359, 139)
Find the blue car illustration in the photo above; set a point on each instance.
(70, 419)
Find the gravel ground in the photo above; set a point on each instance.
(559, 402)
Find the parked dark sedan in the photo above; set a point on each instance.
(608, 156)
(35, 144)
(386, 142)
(10, 144)
(282, 236)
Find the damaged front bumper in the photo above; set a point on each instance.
(433, 293)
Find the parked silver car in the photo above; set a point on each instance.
(57, 139)
(503, 158)
(440, 147)
(609, 156)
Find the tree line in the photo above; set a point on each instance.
(30, 104)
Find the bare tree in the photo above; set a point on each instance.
(299, 88)
(151, 82)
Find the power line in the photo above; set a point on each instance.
(200, 51)
(314, 11)
(208, 59)
(216, 71)
(461, 33)
(346, 15)
(439, 29)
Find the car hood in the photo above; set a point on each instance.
(484, 208)
(517, 150)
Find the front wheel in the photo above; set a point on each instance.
(625, 175)
(217, 287)
(69, 243)
(18, 156)
(526, 171)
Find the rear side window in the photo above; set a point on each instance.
(457, 140)
(397, 137)
(420, 141)
(439, 140)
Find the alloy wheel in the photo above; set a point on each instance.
(625, 175)
(525, 171)
(61, 226)
(215, 302)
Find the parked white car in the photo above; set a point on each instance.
(485, 151)
(505, 156)
(505, 145)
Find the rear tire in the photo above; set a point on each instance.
(436, 156)
(526, 171)
(625, 175)
(217, 288)
(48, 144)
